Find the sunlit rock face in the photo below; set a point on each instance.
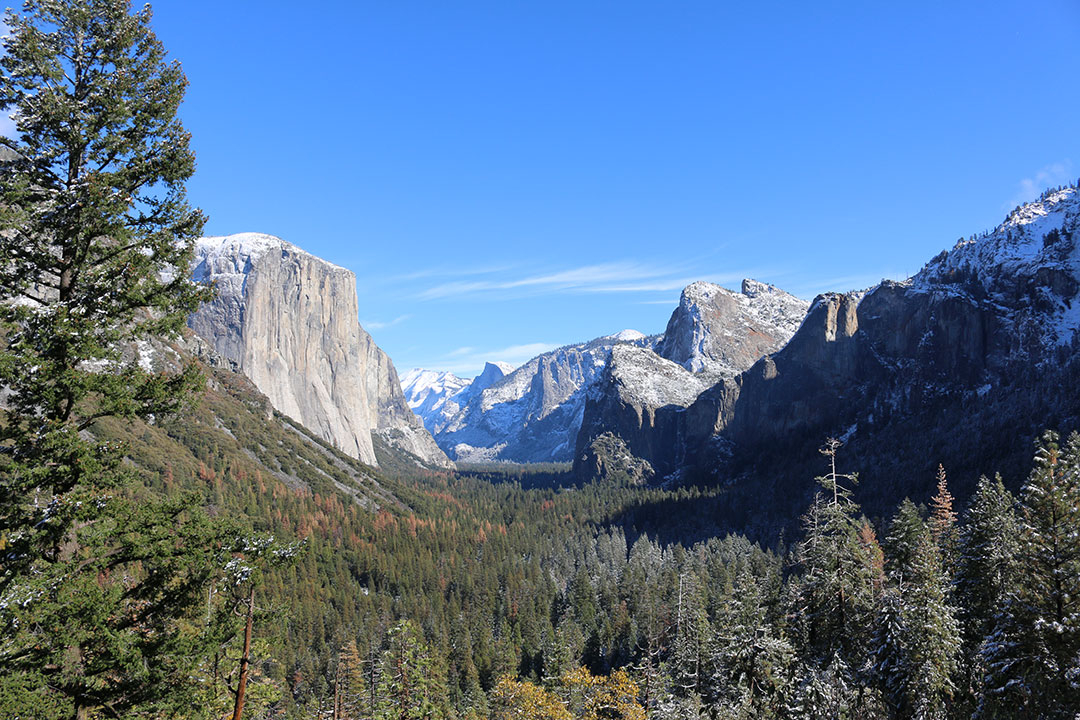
(644, 396)
(289, 321)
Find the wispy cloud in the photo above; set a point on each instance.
(1030, 188)
(377, 325)
(436, 272)
(467, 350)
(616, 277)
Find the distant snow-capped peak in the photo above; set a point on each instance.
(420, 383)
(627, 336)
(426, 391)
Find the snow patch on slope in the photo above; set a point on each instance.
(426, 391)
(646, 379)
(532, 414)
(1031, 262)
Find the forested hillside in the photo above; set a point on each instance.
(479, 582)
(173, 547)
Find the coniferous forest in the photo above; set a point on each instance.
(152, 567)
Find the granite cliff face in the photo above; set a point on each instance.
(289, 322)
(633, 416)
(644, 397)
(536, 412)
(963, 364)
(720, 333)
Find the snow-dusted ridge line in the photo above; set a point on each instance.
(1034, 253)
(251, 245)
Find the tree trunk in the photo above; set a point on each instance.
(241, 686)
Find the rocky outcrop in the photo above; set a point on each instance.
(289, 322)
(555, 406)
(721, 333)
(639, 402)
(649, 400)
(964, 364)
(608, 459)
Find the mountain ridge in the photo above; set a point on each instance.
(964, 364)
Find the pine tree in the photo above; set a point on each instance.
(832, 692)
(349, 683)
(100, 579)
(905, 533)
(943, 524)
(686, 664)
(411, 684)
(751, 664)
(840, 572)
(1032, 654)
(987, 570)
(918, 636)
(244, 573)
(642, 580)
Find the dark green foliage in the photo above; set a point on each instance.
(752, 663)
(988, 569)
(1032, 653)
(917, 635)
(498, 579)
(839, 582)
(410, 684)
(100, 579)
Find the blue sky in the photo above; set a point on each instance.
(505, 177)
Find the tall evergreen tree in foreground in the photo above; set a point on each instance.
(1032, 655)
(917, 635)
(989, 567)
(96, 579)
(840, 580)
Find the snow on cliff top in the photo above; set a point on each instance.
(249, 245)
(506, 367)
(626, 336)
(646, 378)
(418, 381)
(764, 302)
(1015, 246)
(1035, 250)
